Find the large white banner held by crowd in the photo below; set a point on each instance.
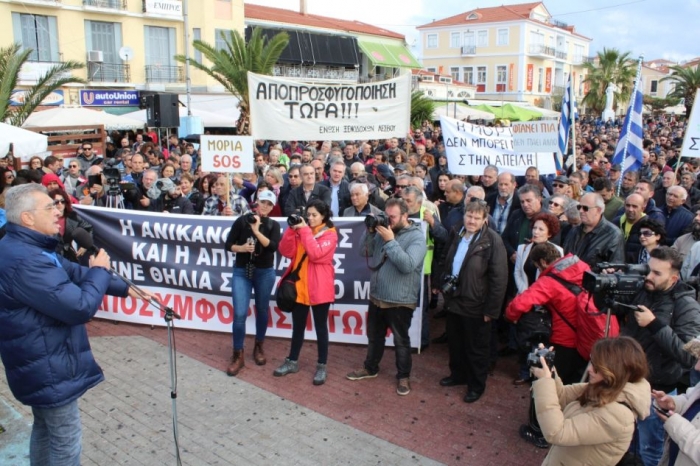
(182, 259)
(283, 109)
(471, 147)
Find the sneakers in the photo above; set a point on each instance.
(360, 374)
(320, 375)
(403, 387)
(288, 367)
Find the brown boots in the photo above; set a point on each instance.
(237, 363)
(259, 353)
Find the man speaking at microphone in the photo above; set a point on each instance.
(45, 302)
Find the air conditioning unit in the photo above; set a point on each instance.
(96, 56)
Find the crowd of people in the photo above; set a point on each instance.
(497, 248)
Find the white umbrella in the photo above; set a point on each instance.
(79, 116)
(25, 143)
(209, 119)
(462, 112)
(675, 110)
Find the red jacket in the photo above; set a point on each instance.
(548, 292)
(319, 278)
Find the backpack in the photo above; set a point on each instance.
(590, 322)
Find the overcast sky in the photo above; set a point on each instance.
(657, 29)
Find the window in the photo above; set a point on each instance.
(481, 79)
(432, 41)
(432, 69)
(468, 72)
(654, 86)
(454, 72)
(540, 79)
(107, 38)
(578, 53)
(160, 50)
(38, 33)
(469, 39)
(482, 38)
(222, 35)
(455, 40)
(197, 35)
(501, 78)
(502, 37)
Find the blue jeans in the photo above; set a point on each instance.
(262, 282)
(56, 436)
(649, 437)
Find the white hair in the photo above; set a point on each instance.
(361, 186)
(20, 199)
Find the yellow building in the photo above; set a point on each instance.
(512, 52)
(125, 44)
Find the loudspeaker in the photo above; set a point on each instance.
(162, 110)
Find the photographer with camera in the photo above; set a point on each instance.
(310, 241)
(474, 286)
(170, 198)
(666, 315)
(397, 248)
(254, 238)
(593, 423)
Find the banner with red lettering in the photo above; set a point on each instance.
(530, 76)
(511, 72)
(548, 80)
(182, 258)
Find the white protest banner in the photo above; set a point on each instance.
(691, 141)
(284, 109)
(470, 148)
(535, 136)
(227, 154)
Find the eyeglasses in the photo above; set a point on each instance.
(558, 185)
(72, 166)
(646, 233)
(59, 201)
(87, 148)
(293, 176)
(555, 204)
(477, 201)
(401, 186)
(584, 208)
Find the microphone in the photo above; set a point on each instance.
(84, 240)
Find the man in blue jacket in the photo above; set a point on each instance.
(45, 302)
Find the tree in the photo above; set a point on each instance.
(231, 63)
(657, 104)
(686, 82)
(422, 109)
(614, 67)
(12, 58)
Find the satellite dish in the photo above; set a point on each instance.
(126, 53)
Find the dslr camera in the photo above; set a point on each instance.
(373, 221)
(533, 359)
(250, 218)
(297, 217)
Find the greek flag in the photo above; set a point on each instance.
(565, 125)
(631, 160)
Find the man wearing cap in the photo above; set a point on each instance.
(400, 169)
(560, 186)
(385, 178)
(615, 173)
(171, 199)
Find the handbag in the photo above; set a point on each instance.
(534, 327)
(286, 296)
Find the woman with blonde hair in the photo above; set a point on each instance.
(593, 423)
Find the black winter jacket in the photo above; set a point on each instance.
(604, 243)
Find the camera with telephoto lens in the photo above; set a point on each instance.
(449, 285)
(533, 359)
(297, 217)
(627, 281)
(373, 221)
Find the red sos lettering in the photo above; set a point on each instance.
(227, 161)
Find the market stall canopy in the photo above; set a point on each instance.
(209, 120)
(312, 48)
(387, 53)
(79, 116)
(510, 112)
(25, 143)
(461, 112)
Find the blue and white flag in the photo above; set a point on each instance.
(631, 158)
(565, 124)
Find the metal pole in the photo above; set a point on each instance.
(188, 82)
(571, 114)
(637, 79)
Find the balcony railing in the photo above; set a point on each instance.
(316, 72)
(165, 74)
(468, 50)
(560, 54)
(541, 49)
(111, 4)
(108, 73)
(558, 90)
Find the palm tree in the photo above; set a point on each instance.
(12, 58)
(686, 82)
(614, 67)
(231, 63)
(422, 109)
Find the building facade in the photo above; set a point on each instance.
(510, 53)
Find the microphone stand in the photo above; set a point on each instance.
(168, 314)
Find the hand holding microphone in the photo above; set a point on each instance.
(101, 259)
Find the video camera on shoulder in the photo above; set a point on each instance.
(628, 280)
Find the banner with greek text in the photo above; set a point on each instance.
(182, 259)
(283, 109)
(470, 148)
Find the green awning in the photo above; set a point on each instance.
(117, 110)
(511, 112)
(388, 54)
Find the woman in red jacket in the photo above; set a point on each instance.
(314, 244)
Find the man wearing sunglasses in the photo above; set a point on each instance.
(595, 240)
(73, 178)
